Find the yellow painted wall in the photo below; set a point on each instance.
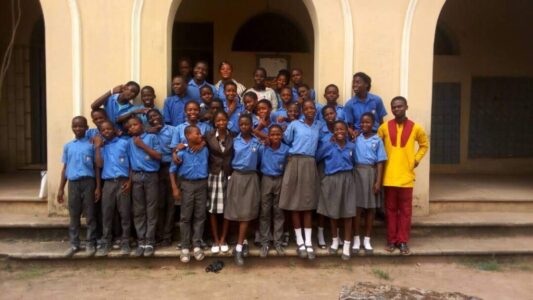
(489, 45)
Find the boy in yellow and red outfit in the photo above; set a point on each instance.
(399, 136)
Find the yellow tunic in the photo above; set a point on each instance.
(399, 168)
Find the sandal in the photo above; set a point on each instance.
(390, 247)
(404, 249)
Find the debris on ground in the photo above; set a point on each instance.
(371, 291)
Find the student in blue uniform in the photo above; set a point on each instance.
(145, 155)
(300, 186)
(370, 159)
(263, 109)
(363, 101)
(273, 160)
(331, 93)
(280, 115)
(192, 110)
(98, 116)
(337, 199)
(117, 101)
(174, 107)
(165, 219)
(148, 102)
(207, 97)
(233, 107)
(83, 177)
(297, 81)
(192, 170)
(112, 155)
(243, 186)
(199, 74)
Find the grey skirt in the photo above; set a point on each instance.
(337, 199)
(365, 176)
(300, 186)
(243, 198)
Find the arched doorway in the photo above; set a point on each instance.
(23, 100)
(482, 145)
(215, 31)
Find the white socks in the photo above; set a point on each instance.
(308, 233)
(335, 243)
(356, 242)
(298, 234)
(238, 248)
(366, 243)
(320, 236)
(346, 248)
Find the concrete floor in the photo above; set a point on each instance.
(481, 187)
(22, 185)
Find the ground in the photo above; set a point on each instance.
(273, 278)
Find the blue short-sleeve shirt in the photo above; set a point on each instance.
(246, 154)
(165, 140)
(179, 133)
(115, 109)
(370, 150)
(193, 90)
(233, 122)
(337, 159)
(193, 165)
(273, 161)
(78, 155)
(174, 109)
(355, 108)
(295, 95)
(116, 159)
(140, 160)
(302, 138)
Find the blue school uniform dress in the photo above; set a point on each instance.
(179, 133)
(193, 90)
(140, 160)
(295, 95)
(337, 186)
(243, 197)
(115, 109)
(78, 155)
(115, 154)
(369, 152)
(233, 122)
(300, 185)
(355, 107)
(174, 109)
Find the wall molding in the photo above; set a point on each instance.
(405, 49)
(77, 95)
(348, 48)
(136, 20)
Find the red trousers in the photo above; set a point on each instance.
(399, 209)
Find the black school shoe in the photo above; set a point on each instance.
(139, 251)
(285, 239)
(404, 249)
(279, 250)
(103, 250)
(264, 251)
(71, 251)
(148, 250)
(90, 249)
(245, 250)
(125, 249)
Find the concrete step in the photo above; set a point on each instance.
(423, 246)
(450, 224)
(483, 205)
(24, 205)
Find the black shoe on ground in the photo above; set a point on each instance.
(125, 249)
(90, 249)
(148, 250)
(71, 251)
(302, 252)
(178, 246)
(116, 244)
(238, 258)
(285, 240)
(390, 247)
(204, 245)
(311, 255)
(139, 251)
(264, 251)
(245, 250)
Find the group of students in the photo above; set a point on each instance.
(260, 157)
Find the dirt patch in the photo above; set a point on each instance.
(273, 278)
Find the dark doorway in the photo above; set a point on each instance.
(193, 41)
(38, 96)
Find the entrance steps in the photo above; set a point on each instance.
(26, 237)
